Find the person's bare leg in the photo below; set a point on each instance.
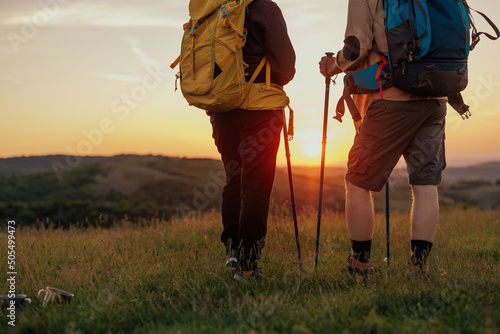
(359, 213)
(424, 219)
(360, 221)
(424, 213)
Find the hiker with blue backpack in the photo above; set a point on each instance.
(404, 60)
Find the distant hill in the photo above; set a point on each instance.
(113, 188)
(486, 171)
(131, 187)
(23, 165)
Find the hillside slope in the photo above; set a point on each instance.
(130, 187)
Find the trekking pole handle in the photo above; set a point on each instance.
(329, 56)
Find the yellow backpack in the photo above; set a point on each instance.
(211, 61)
(212, 70)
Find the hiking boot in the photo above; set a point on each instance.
(357, 267)
(231, 266)
(249, 276)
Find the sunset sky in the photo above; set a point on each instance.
(93, 78)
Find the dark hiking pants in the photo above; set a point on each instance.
(248, 141)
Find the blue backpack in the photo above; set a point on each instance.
(428, 48)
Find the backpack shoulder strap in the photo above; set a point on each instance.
(257, 71)
(340, 109)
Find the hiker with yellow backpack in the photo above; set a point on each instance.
(404, 60)
(235, 58)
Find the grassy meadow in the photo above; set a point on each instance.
(168, 277)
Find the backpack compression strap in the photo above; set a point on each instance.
(192, 25)
(475, 34)
(239, 35)
(457, 103)
(413, 28)
(456, 100)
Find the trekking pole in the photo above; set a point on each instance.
(290, 182)
(323, 152)
(387, 225)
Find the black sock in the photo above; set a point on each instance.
(361, 250)
(420, 250)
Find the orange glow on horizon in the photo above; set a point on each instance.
(91, 83)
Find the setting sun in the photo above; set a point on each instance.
(309, 142)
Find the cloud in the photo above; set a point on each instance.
(139, 52)
(109, 13)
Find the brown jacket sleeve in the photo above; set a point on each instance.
(359, 34)
(268, 36)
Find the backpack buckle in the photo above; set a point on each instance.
(223, 10)
(417, 47)
(409, 49)
(177, 77)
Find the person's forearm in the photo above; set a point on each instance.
(335, 69)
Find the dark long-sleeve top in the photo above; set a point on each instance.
(268, 36)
